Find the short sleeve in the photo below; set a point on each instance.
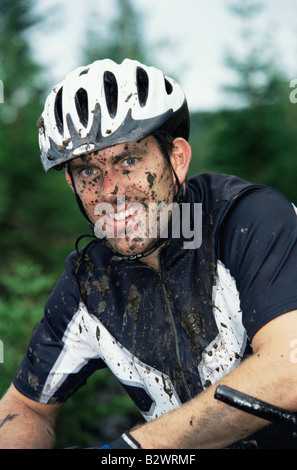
(37, 376)
(258, 244)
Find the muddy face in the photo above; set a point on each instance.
(122, 189)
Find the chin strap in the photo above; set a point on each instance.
(78, 199)
(157, 244)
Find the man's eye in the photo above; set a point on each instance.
(88, 172)
(129, 161)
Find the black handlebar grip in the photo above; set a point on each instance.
(255, 407)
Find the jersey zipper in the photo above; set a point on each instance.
(176, 340)
(175, 334)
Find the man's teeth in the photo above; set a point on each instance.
(123, 214)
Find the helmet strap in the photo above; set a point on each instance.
(179, 196)
(78, 199)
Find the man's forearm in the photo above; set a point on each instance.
(22, 428)
(200, 424)
(206, 423)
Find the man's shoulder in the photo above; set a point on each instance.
(213, 189)
(219, 184)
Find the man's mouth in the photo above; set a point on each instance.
(123, 222)
(124, 214)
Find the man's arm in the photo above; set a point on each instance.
(269, 374)
(26, 424)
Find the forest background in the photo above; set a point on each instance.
(39, 220)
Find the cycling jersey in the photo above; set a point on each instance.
(168, 335)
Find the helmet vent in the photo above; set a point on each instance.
(84, 72)
(142, 85)
(111, 93)
(59, 111)
(81, 103)
(168, 87)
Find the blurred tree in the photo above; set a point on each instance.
(258, 81)
(24, 288)
(31, 214)
(255, 140)
(18, 72)
(123, 38)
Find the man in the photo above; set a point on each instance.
(186, 284)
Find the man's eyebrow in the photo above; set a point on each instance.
(135, 152)
(78, 163)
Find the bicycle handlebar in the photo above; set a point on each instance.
(255, 407)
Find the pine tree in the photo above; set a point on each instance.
(18, 114)
(257, 78)
(31, 213)
(256, 139)
(123, 39)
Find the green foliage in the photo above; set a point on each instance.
(201, 128)
(24, 289)
(97, 414)
(257, 144)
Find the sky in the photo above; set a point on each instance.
(200, 33)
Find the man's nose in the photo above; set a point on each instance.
(110, 184)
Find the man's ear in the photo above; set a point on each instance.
(180, 158)
(68, 179)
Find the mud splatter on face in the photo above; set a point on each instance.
(151, 178)
(136, 172)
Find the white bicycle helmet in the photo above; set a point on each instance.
(104, 104)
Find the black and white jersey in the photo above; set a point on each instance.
(168, 335)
